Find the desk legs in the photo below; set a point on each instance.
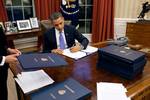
(20, 94)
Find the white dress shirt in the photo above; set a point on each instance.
(57, 38)
(3, 61)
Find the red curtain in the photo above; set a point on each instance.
(3, 13)
(44, 8)
(103, 20)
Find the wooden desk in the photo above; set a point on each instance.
(24, 34)
(86, 72)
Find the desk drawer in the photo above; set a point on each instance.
(138, 33)
(138, 28)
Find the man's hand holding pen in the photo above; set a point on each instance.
(75, 48)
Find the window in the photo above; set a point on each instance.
(19, 9)
(85, 16)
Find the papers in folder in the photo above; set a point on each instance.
(30, 81)
(77, 55)
(111, 91)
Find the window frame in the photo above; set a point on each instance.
(86, 20)
(11, 7)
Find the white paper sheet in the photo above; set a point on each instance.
(77, 55)
(111, 91)
(30, 81)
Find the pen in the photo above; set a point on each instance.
(74, 45)
(87, 53)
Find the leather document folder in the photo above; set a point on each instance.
(69, 89)
(121, 61)
(41, 60)
(126, 55)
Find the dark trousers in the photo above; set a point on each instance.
(3, 82)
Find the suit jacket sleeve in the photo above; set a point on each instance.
(1, 57)
(82, 39)
(72, 34)
(49, 40)
(46, 44)
(3, 44)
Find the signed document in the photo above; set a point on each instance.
(80, 54)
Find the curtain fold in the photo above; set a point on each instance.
(3, 13)
(103, 20)
(44, 8)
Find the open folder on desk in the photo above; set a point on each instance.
(77, 55)
(41, 60)
(33, 80)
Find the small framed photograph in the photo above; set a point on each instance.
(2, 25)
(23, 25)
(34, 22)
(8, 26)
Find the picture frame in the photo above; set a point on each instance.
(8, 26)
(2, 25)
(23, 25)
(34, 22)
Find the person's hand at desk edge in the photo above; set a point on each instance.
(57, 51)
(13, 54)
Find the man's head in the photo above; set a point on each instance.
(57, 20)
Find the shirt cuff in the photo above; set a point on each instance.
(82, 47)
(3, 61)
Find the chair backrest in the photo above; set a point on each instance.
(46, 24)
(1, 29)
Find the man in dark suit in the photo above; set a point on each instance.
(62, 36)
(5, 59)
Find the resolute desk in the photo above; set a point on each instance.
(85, 71)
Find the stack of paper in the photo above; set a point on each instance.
(30, 81)
(77, 55)
(111, 91)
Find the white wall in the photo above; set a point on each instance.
(129, 8)
(127, 11)
(120, 26)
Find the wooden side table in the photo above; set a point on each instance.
(24, 34)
